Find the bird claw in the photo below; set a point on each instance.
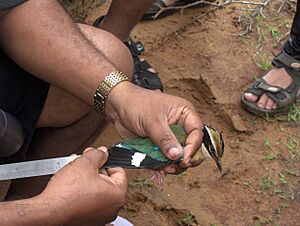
(158, 178)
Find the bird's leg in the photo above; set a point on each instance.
(158, 177)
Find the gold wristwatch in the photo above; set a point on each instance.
(102, 91)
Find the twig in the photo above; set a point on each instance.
(284, 37)
(206, 2)
(281, 6)
(258, 10)
(179, 30)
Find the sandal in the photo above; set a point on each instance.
(156, 7)
(141, 74)
(284, 98)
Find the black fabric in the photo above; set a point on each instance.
(292, 46)
(7, 4)
(22, 95)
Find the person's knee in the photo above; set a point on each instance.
(61, 109)
(111, 47)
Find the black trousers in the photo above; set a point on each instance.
(292, 46)
(22, 95)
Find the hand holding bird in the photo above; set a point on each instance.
(142, 153)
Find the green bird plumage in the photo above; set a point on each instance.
(140, 152)
(146, 146)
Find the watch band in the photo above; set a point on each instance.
(104, 88)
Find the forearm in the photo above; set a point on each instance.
(33, 211)
(41, 38)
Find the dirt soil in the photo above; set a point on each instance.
(210, 64)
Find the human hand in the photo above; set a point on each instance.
(146, 113)
(85, 194)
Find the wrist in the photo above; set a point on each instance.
(57, 211)
(105, 87)
(117, 98)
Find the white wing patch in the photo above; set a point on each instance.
(137, 159)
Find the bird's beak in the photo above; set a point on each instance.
(219, 165)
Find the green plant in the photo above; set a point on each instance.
(282, 178)
(246, 183)
(275, 33)
(294, 146)
(252, 122)
(261, 60)
(267, 143)
(294, 114)
(277, 191)
(292, 143)
(188, 219)
(140, 183)
(269, 157)
(257, 223)
(267, 182)
(261, 30)
(182, 175)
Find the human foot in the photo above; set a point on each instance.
(275, 77)
(277, 90)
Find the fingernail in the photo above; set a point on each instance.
(174, 153)
(87, 149)
(103, 149)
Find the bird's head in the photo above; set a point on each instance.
(213, 145)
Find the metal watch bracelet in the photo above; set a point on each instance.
(105, 87)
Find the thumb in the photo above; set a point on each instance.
(164, 138)
(97, 156)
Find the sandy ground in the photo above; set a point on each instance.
(210, 64)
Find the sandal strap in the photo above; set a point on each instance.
(263, 85)
(135, 48)
(282, 97)
(142, 76)
(142, 65)
(285, 60)
(260, 86)
(148, 80)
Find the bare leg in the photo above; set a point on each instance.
(123, 15)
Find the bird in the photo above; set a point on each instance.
(142, 153)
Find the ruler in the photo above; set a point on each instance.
(34, 168)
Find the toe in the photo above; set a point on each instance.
(269, 104)
(262, 101)
(274, 106)
(250, 97)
